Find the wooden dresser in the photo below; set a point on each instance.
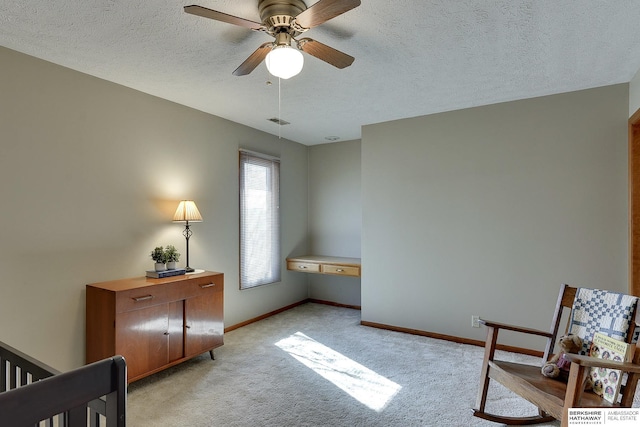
(154, 323)
(339, 266)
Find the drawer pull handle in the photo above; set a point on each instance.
(144, 298)
(339, 270)
(302, 267)
(207, 286)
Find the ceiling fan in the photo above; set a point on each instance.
(285, 20)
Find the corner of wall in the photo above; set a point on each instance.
(634, 94)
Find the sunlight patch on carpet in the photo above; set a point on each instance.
(361, 383)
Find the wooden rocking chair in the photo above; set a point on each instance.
(554, 397)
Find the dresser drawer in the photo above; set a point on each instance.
(147, 296)
(307, 267)
(199, 286)
(341, 270)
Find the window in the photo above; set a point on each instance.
(259, 219)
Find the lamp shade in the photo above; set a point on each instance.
(284, 61)
(187, 211)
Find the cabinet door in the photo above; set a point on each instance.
(141, 337)
(176, 330)
(204, 322)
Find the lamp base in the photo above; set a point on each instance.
(189, 269)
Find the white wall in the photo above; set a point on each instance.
(488, 210)
(91, 175)
(335, 216)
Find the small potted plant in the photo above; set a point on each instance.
(171, 257)
(158, 256)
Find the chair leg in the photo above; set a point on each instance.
(629, 390)
(489, 351)
(575, 389)
(481, 401)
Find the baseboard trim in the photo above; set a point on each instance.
(289, 307)
(419, 332)
(334, 304)
(264, 316)
(451, 338)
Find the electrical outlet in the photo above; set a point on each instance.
(475, 321)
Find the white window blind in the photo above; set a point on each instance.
(259, 220)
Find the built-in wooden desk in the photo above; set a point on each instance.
(321, 264)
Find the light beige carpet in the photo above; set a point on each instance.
(315, 365)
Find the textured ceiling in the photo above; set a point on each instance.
(412, 57)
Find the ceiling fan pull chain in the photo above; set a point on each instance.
(279, 110)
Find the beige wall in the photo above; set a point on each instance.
(485, 208)
(91, 174)
(634, 94)
(335, 216)
(486, 211)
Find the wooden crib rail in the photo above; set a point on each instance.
(94, 394)
(18, 369)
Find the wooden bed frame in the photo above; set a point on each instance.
(32, 393)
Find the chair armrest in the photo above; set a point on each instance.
(515, 328)
(594, 362)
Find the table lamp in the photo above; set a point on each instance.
(187, 212)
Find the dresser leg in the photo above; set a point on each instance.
(211, 354)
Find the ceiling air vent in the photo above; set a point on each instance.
(278, 121)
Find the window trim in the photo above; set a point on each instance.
(273, 269)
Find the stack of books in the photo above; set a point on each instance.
(166, 273)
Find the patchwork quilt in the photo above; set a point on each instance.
(599, 310)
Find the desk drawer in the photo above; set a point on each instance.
(341, 270)
(307, 267)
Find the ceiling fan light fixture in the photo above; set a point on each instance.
(284, 61)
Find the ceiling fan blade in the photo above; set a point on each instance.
(324, 10)
(223, 17)
(253, 60)
(327, 54)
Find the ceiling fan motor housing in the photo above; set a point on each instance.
(278, 15)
